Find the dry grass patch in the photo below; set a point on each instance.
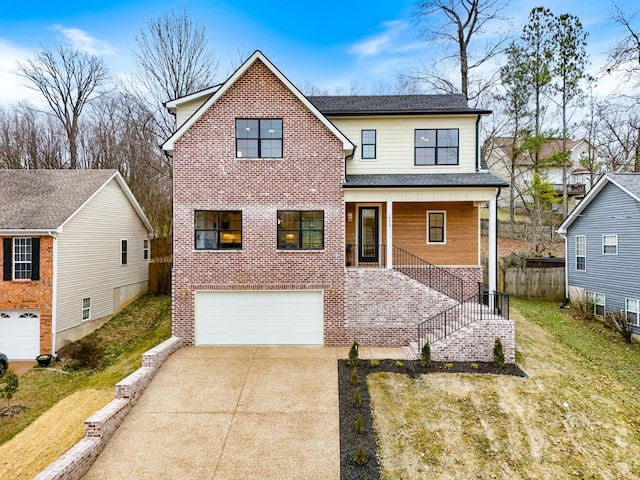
(570, 419)
(51, 434)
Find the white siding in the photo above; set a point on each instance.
(187, 109)
(89, 257)
(395, 142)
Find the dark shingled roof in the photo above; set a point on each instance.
(392, 105)
(474, 179)
(630, 181)
(45, 199)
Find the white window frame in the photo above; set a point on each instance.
(635, 312)
(86, 309)
(583, 254)
(22, 247)
(124, 251)
(610, 241)
(599, 300)
(374, 144)
(145, 249)
(444, 227)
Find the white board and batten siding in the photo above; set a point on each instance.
(89, 261)
(260, 317)
(395, 142)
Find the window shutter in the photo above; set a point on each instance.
(35, 259)
(7, 258)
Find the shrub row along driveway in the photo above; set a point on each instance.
(232, 412)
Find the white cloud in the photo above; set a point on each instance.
(13, 86)
(384, 42)
(84, 42)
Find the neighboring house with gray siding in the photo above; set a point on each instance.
(75, 250)
(603, 247)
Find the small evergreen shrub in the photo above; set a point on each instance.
(355, 378)
(9, 386)
(399, 363)
(361, 455)
(353, 355)
(498, 353)
(359, 426)
(357, 398)
(474, 365)
(425, 355)
(448, 366)
(374, 362)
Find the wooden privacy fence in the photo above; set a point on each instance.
(160, 266)
(546, 283)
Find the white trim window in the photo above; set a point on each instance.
(86, 309)
(145, 249)
(581, 253)
(598, 300)
(436, 227)
(22, 258)
(609, 244)
(368, 138)
(632, 310)
(123, 251)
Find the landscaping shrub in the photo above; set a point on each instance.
(353, 355)
(498, 353)
(85, 354)
(9, 386)
(618, 321)
(425, 355)
(355, 378)
(361, 455)
(357, 398)
(359, 426)
(374, 362)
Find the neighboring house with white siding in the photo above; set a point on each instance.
(603, 247)
(75, 250)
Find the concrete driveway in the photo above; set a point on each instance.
(232, 413)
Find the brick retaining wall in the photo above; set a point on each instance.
(99, 428)
(474, 343)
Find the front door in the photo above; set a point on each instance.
(368, 235)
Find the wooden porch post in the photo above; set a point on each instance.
(493, 246)
(389, 234)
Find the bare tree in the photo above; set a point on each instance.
(172, 60)
(461, 23)
(625, 55)
(68, 79)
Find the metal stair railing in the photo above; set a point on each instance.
(431, 275)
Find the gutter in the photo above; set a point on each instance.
(347, 157)
(566, 268)
(478, 144)
(495, 266)
(54, 295)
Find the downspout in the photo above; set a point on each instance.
(54, 294)
(566, 270)
(495, 266)
(347, 157)
(478, 143)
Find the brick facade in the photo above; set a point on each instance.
(33, 294)
(208, 176)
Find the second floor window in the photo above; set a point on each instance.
(258, 138)
(368, 144)
(22, 258)
(218, 230)
(581, 253)
(436, 147)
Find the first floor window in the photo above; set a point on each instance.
(218, 230)
(436, 227)
(123, 252)
(368, 144)
(598, 300)
(258, 138)
(300, 230)
(436, 146)
(86, 309)
(581, 252)
(610, 244)
(633, 311)
(145, 249)
(21, 258)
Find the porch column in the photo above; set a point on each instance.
(389, 234)
(493, 246)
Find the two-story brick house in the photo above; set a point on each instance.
(295, 218)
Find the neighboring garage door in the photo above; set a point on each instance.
(259, 318)
(19, 334)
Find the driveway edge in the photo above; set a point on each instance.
(99, 428)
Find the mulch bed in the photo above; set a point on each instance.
(349, 439)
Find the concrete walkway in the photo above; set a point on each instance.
(234, 412)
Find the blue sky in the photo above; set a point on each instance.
(329, 44)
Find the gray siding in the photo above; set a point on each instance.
(617, 276)
(89, 257)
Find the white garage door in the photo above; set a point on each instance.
(259, 318)
(19, 334)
